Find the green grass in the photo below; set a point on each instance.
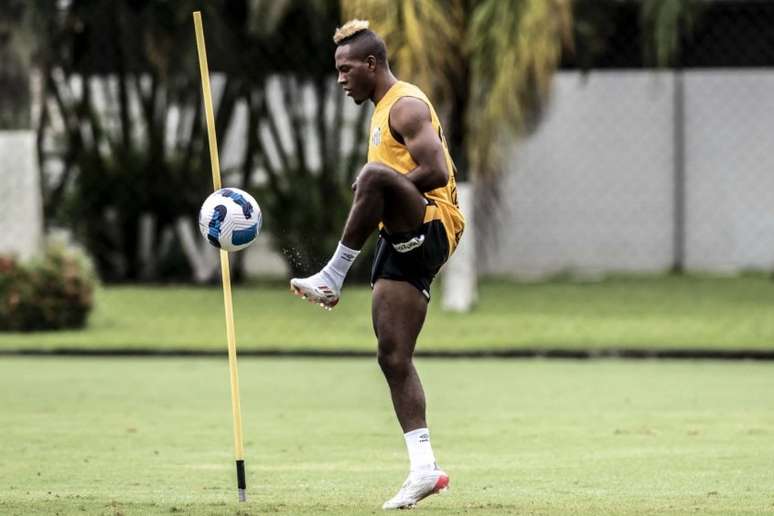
(666, 312)
(153, 436)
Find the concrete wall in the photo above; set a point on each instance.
(730, 170)
(592, 190)
(21, 229)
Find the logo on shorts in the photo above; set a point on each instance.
(376, 139)
(404, 247)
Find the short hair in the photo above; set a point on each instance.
(364, 41)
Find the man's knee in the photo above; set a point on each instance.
(375, 175)
(393, 363)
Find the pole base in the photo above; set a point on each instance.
(241, 485)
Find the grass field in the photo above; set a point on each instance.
(658, 313)
(153, 436)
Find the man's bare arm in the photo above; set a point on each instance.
(410, 118)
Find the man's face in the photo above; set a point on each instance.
(356, 75)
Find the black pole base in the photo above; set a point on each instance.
(241, 485)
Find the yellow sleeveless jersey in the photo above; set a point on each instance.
(384, 148)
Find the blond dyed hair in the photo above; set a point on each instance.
(349, 29)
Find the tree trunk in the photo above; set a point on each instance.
(22, 233)
(14, 86)
(202, 257)
(146, 253)
(460, 276)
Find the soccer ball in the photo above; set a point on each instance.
(230, 219)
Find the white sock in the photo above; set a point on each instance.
(338, 266)
(419, 449)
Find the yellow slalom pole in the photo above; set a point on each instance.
(236, 411)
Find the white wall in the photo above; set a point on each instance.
(730, 169)
(591, 191)
(586, 192)
(21, 225)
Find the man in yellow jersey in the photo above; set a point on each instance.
(407, 190)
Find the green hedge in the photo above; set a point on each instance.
(47, 294)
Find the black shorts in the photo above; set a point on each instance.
(414, 257)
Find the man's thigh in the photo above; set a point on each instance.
(404, 204)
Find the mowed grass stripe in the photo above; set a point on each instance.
(603, 437)
(624, 313)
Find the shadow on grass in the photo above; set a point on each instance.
(520, 353)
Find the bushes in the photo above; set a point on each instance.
(52, 293)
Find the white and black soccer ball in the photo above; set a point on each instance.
(230, 219)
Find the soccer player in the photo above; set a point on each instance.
(406, 190)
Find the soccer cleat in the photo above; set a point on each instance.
(316, 289)
(418, 486)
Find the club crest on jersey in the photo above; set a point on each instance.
(376, 139)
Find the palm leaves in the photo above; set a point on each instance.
(500, 53)
(665, 23)
(514, 48)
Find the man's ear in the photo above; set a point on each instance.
(371, 60)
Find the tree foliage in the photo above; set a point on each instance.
(309, 166)
(666, 23)
(113, 74)
(15, 50)
(122, 137)
(487, 63)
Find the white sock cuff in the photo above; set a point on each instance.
(415, 434)
(345, 253)
(419, 449)
(338, 266)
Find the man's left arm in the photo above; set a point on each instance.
(411, 119)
